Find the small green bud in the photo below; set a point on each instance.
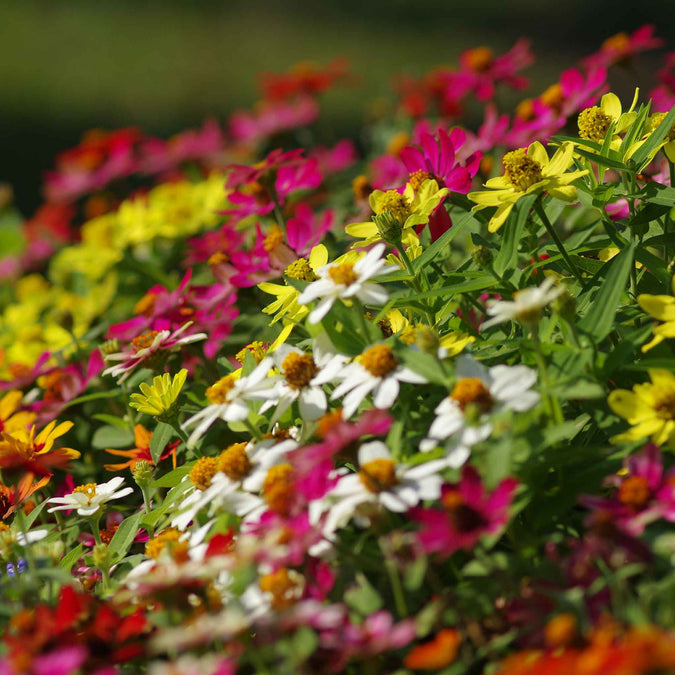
(143, 474)
(109, 347)
(102, 556)
(388, 226)
(565, 305)
(426, 338)
(482, 257)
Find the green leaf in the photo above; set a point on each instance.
(508, 252)
(172, 478)
(599, 320)
(432, 251)
(124, 536)
(425, 365)
(477, 284)
(363, 597)
(93, 397)
(112, 437)
(160, 437)
(112, 420)
(71, 557)
(643, 155)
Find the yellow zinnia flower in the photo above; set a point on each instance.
(159, 398)
(662, 308)
(594, 122)
(528, 172)
(397, 214)
(649, 409)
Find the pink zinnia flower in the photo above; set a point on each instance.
(469, 512)
(621, 47)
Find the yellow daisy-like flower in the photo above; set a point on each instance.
(649, 409)
(594, 122)
(662, 308)
(159, 398)
(395, 214)
(449, 344)
(528, 172)
(286, 305)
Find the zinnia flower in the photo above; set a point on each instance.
(89, 499)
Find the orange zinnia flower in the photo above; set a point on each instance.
(141, 452)
(436, 654)
(23, 452)
(12, 497)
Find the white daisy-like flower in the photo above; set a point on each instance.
(375, 371)
(147, 346)
(89, 499)
(526, 305)
(346, 280)
(379, 481)
(229, 399)
(463, 418)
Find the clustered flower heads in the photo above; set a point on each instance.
(411, 411)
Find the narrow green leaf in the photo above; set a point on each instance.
(111, 437)
(160, 437)
(124, 536)
(599, 319)
(432, 251)
(71, 557)
(112, 420)
(508, 253)
(643, 155)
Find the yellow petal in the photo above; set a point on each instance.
(611, 105)
(318, 257)
(500, 217)
(561, 160)
(661, 307)
(537, 152)
(629, 405)
(361, 230)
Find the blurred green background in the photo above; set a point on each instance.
(164, 65)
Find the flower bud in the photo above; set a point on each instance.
(102, 556)
(565, 305)
(388, 226)
(426, 338)
(109, 347)
(143, 474)
(482, 257)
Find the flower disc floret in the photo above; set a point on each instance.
(234, 462)
(379, 474)
(301, 270)
(378, 360)
(218, 392)
(343, 274)
(472, 391)
(279, 488)
(144, 340)
(203, 471)
(634, 492)
(594, 124)
(396, 204)
(299, 370)
(522, 170)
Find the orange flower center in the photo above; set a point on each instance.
(378, 475)
(525, 110)
(479, 59)
(169, 539)
(53, 385)
(619, 43)
(378, 360)
(234, 462)
(463, 517)
(553, 97)
(144, 341)
(634, 492)
(416, 179)
(472, 391)
(279, 488)
(203, 471)
(397, 143)
(273, 239)
(299, 369)
(329, 421)
(436, 654)
(284, 585)
(218, 392)
(88, 489)
(561, 630)
(343, 274)
(146, 305)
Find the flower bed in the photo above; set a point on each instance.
(274, 406)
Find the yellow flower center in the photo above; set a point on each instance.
(256, 349)
(618, 43)
(273, 239)
(521, 170)
(343, 274)
(4, 527)
(203, 471)
(89, 489)
(378, 360)
(146, 305)
(218, 257)
(299, 369)
(416, 179)
(329, 421)
(234, 462)
(378, 475)
(144, 341)
(397, 143)
(471, 391)
(284, 585)
(170, 540)
(479, 59)
(396, 204)
(664, 401)
(218, 392)
(634, 492)
(594, 124)
(553, 97)
(525, 110)
(655, 122)
(361, 187)
(279, 488)
(300, 270)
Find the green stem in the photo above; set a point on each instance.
(414, 279)
(558, 242)
(552, 404)
(254, 432)
(21, 516)
(397, 588)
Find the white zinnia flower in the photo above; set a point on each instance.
(346, 280)
(462, 419)
(229, 399)
(376, 370)
(89, 498)
(526, 305)
(382, 481)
